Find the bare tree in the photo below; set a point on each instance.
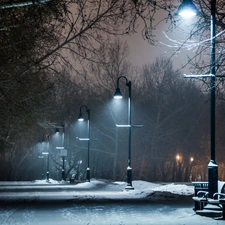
(111, 63)
(170, 124)
(37, 39)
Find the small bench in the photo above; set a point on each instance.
(201, 194)
(201, 199)
(219, 199)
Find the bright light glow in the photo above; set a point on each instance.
(187, 13)
(178, 157)
(118, 96)
(84, 139)
(187, 9)
(198, 76)
(45, 153)
(81, 119)
(123, 125)
(133, 126)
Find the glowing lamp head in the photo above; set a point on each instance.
(187, 9)
(188, 13)
(118, 94)
(80, 117)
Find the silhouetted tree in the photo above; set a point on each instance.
(171, 125)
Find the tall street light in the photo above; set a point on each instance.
(46, 153)
(179, 162)
(63, 151)
(184, 9)
(47, 174)
(118, 95)
(81, 118)
(47, 170)
(42, 165)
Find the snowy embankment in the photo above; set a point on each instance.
(103, 189)
(95, 190)
(142, 190)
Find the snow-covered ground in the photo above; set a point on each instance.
(52, 203)
(96, 190)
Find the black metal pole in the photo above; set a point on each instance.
(80, 118)
(47, 173)
(129, 169)
(42, 169)
(63, 157)
(63, 168)
(212, 166)
(88, 153)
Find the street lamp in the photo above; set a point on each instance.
(179, 162)
(78, 169)
(190, 170)
(47, 170)
(118, 95)
(62, 149)
(42, 166)
(80, 118)
(47, 173)
(212, 166)
(187, 9)
(178, 157)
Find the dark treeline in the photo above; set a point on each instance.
(173, 110)
(59, 55)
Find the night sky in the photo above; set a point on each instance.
(141, 52)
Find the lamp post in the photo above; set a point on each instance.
(78, 169)
(179, 162)
(190, 171)
(118, 95)
(63, 151)
(47, 169)
(80, 118)
(47, 153)
(42, 165)
(184, 9)
(47, 173)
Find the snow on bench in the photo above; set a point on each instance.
(201, 195)
(219, 199)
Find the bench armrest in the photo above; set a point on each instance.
(202, 194)
(221, 195)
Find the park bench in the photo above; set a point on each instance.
(219, 199)
(201, 197)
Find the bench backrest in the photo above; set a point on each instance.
(200, 186)
(223, 189)
(203, 186)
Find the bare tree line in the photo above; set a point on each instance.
(42, 86)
